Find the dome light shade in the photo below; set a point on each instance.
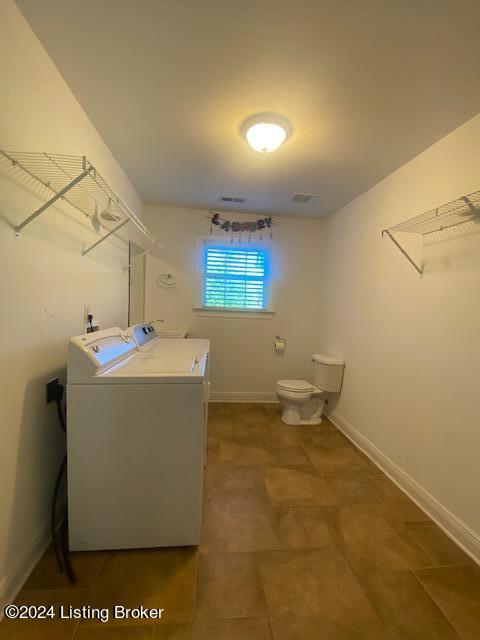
(266, 136)
(266, 132)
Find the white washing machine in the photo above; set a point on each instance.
(148, 338)
(146, 335)
(135, 443)
(150, 341)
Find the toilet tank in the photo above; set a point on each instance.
(328, 372)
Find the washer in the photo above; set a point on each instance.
(135, 443)
(149, 341)
(147, 337)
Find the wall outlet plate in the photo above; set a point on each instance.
(92, 329)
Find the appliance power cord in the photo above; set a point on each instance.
(62, 555)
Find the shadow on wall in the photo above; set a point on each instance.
(453, 249)
(41, 445)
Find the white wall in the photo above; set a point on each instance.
(412, 346)
(44, 286)
(243, 361)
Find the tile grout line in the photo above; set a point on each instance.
(432, 598)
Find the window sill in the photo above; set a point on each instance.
(233, 313)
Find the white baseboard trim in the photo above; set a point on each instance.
(457, 530)
(243, 396)
(12, 582)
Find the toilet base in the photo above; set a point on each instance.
(303, 414)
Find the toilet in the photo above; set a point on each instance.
(302, 401)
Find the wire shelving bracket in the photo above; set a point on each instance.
(76, 181)
(463, 210)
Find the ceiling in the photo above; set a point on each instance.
(367, 85)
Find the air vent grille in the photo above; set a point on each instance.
(302, 197)
(233, 199)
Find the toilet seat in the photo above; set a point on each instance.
(299, 386)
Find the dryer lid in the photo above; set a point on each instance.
(295, 385)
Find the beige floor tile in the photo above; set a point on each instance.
(405, 608)
(220, 427)
(229, 587)
(351, 488)
(233, 478)
(401, 512)
(282, 435)
(108, 632)
(239, 521)
(244, 451)
(330, 439)
(249, 413)
(304, 527)
(371, 543)
(213, 450)
(298, 486)
(46, 575)
(157, 578)
(337, 459)
(314, 594)
(219, 409)
(242, 429)
(273, 410)
(304, 435)
(258, 450)
(456, 590)
(173, 631)
(220, 630)
(436, 544)
(288, 455)
(389, 489)
(48, 629)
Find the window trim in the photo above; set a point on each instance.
(227, 312)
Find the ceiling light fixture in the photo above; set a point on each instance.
(265, 132)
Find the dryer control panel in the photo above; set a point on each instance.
(93, 353)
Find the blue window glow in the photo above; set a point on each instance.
(235, 278)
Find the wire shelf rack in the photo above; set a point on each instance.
(463, 210)
(76, 181)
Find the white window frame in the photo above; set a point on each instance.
(224, 241)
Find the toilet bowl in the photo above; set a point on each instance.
(303, 402)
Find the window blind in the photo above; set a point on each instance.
(235, 278)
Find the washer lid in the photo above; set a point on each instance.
(295, 385)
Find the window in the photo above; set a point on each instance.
(235, 278)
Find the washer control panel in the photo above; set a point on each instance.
(144, 333)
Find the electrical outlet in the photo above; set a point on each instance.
(91, 329)
(52, 390)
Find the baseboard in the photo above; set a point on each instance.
(11, 583)
(457, 530)
(243, 396)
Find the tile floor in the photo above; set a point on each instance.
(303, 538)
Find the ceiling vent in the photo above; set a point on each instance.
(302, 197)
(233, 199)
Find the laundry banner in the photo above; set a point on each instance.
(249, 226)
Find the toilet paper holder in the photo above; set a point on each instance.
(279, 344)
